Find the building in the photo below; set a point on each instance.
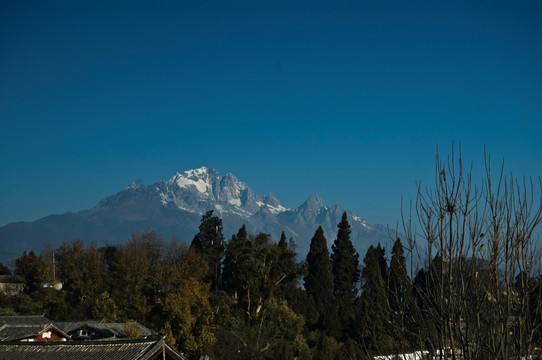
(11, 284)
(40, 328)
(37, 337)
(102, 330)
(30, 329)
(127, 349)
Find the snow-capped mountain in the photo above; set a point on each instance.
(195, 189)
(173, 208)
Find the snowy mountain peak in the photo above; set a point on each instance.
(197, 172)
(173, 208)
(199, 179)
(197, 190)
(202, 173)
(271, 200)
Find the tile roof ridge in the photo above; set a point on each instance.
(82, 342)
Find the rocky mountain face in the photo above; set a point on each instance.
(173, 208)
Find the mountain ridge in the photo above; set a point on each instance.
(173, 208)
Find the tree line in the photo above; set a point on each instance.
(464, 282)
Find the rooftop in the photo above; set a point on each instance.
(148, 349)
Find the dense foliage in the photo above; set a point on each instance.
(260, 310)
(475, 293)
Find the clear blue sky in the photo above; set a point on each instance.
(346, 99)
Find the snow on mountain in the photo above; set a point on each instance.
(173, 208)
(199, 179)
(193, 188)
(361, 221)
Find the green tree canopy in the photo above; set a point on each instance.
(187, 313)
(33, 269)
(405, 319)
(209, 241)
(346, 275)
(319, 286)
(236, 251)
(372, 309)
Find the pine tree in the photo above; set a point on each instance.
(372, 309)
(209, 241)
(319, 285)
(237, 248)
(287, 272)
(427, 291)
(282, 241)
(346, 275)
(404, 314)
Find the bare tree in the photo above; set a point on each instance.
(478, 296)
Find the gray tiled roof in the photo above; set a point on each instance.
(88, 350)
(25, 320)
(17, 332)
(16, 327)
(78, 324)
(112, 329)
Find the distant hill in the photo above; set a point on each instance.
(173, 208)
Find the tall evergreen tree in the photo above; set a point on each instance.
(256, 269)
(237, 249)
(287, 272)
(258, 283)
(346, 275)
(372, 309)
(209, 241)
(427, 286)
(282, 242)
(257, 273)
(404, 314)
(319, 285)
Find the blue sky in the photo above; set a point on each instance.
(346, 99)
